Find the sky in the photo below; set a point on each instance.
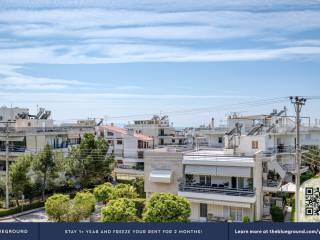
(189, 59)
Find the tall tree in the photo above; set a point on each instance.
(89, 163)
(45, 167)
(19, 178)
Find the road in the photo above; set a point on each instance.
(40, 216)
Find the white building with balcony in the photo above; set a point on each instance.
(219, 187)
(158, 128)
(128, 148)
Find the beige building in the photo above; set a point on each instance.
(163, 170)
(30, 133)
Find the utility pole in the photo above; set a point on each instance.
(298, 102)
(7, 165)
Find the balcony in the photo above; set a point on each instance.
(217, 190)
(244, 195)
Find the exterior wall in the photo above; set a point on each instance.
(36, 123)
(220, 211)
(160, 160)
(9, 114)
(245, 146)
(213, 140)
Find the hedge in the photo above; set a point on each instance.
(11, 211)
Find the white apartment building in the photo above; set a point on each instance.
(128, 148)
(28, 133)
(219, 187)
(158, 128)
(246, 178)
(206, 136)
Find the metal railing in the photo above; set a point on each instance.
(246, 192)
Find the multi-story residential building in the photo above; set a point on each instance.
(219, 187)
(26, 133)
(158, 128)
(128, 148)
(206, 136)
(246, 178)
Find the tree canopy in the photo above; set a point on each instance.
(19, 178)
(167, 207)
(103, 192)
(120, 210)
(89, 163)
(123, 191)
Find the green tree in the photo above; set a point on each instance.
(20, 181)
(85, 200)
(57, 206)
(45, 167)
(167, 207)
(103, 192)
(120, 210)
(89, 163)
(123, 191)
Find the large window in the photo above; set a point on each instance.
(203, 210)
(220, 140)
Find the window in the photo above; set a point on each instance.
(236, 214)
(205, 180)
(240, 182)
(29, 124)
(119, 142)
(173, 140)
(220, 140)
(255, 145)
(110, 133)
(203, 210)
(1, 118)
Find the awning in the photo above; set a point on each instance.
(288, 188)
(161, 176)
(201, 170)
(233, 172)
(218, 171)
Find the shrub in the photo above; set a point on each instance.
(123, 191)
(120, 210)
(102, 192)
(57, 206)
(167, 207)
(84, 201)
(277, 214)
(246, 219)
(7, 212)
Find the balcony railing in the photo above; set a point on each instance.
(245, 192)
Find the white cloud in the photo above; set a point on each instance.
(11, 79)
(125, 53)
(89, 32)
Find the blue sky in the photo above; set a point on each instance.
(115, 59)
